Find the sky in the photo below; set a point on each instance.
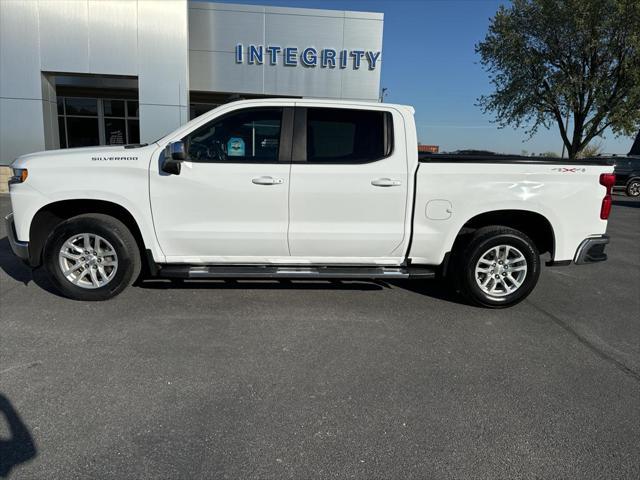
(429, 61)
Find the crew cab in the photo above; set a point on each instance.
(301, 188)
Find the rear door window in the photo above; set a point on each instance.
(338, 135)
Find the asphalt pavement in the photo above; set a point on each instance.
(306, 380)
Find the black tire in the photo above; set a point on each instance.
(110, 229)
(633, 187)
(465, 261)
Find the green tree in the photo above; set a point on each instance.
(551, 60)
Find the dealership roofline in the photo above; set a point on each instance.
(237, 7)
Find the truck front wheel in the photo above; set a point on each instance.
(497, 268)
(91, 257)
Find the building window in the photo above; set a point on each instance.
(86, 122)
(197, 109)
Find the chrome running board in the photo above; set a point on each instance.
(288, 271)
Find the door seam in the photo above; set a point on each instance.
(289, 209)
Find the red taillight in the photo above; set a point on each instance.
(607, 180)
(605, 210)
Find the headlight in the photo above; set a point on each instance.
(19, 175)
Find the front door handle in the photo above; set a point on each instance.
(266, 180)
(385, 182)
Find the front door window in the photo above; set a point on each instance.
(247, 136)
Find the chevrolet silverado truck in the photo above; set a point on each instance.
(310, 189)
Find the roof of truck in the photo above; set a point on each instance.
(274, 102)
(325, 101)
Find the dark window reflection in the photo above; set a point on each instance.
(97, 121)
(63, 132)
(83, 132)
(134, 131)
(82, 106)
(198, 109)
(114, 131)
(132, 108)
(113, 108)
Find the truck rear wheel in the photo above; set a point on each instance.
(92, 257)
(497, 268)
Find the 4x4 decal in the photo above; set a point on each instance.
(569, 169)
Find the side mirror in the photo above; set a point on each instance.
(177, 151)
(174, 154)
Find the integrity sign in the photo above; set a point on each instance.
(307, 57)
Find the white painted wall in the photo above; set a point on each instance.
(143, 38)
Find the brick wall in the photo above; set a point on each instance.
(5, 173)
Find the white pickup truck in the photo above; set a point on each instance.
(297, 188)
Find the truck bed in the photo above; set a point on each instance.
(454, 190)
(425, 157)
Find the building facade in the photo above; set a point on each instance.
(96, 72)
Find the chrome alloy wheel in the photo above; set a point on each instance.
(88, 260)
(634, 188)
(501, 270)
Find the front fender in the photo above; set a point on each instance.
(28, 201)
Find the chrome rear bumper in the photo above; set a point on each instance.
(591, 250)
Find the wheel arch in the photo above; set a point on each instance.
(533, 224)
(634, 177)
(49, 216)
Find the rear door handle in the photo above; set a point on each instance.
(385, 182)
(266, 180)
